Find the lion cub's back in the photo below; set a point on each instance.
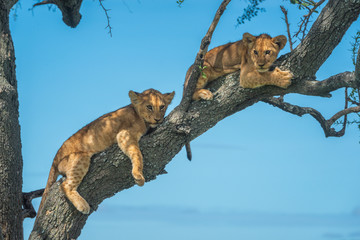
(225, 56)
(99, 134)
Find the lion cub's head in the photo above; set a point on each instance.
(151, 105)
(264, 49)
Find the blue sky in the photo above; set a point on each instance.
(261, 163)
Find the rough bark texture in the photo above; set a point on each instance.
(325, 34)
(110, 171)
(70, 10)
(10, 144)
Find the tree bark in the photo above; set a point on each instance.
(10, 144)
(110, 171)
(324, 35)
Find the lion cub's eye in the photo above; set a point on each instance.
(267, 52)
(255, 52)
(149, 107)
(162, 107)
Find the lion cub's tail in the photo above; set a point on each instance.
(188, 151)
(54, 173)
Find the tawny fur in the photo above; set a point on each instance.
(253, 55)
(124, 126)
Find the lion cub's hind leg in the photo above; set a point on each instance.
(76, 169)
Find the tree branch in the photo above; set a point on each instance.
(323, 88)
(107, 17)
(324, 35)
(28, 208)
(357, 67)
(195, 73)
(44, 3)
(300, 111)
(306, 19)
(70, 10)
(285, 12)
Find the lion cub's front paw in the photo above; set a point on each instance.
(202, 94)
(284, 78)
(139, 178)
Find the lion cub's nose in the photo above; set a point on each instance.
(157, 119)
(261, 65)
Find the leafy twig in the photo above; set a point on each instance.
(179, 2)
(306, 18)
(250, 11)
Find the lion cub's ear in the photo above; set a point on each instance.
(169, 97)
(280, 41)
(248, 38)
(134, 97)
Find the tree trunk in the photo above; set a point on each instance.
(10, 145)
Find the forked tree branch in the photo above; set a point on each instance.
(325, 124)
(107, 17)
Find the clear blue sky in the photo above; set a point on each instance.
(259, 174)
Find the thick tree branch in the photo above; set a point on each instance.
(70, 10)
(325, 87)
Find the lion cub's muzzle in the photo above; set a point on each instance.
(261, 69)
(156, 122)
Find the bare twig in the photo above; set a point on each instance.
(287, 27)
(44, 2)
(306, 19)
(194, 75)
(107, 17)
(28, 208)
(300, 111)
(357, 68)
(346, 106)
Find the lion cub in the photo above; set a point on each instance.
(253, 55)
(124, 126)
